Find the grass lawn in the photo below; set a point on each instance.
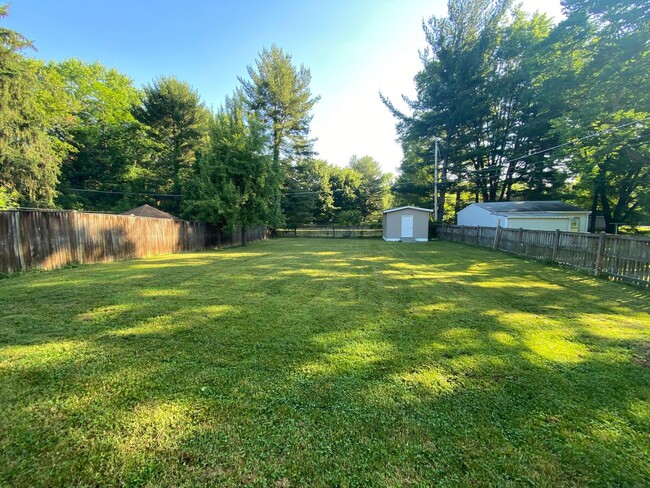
(324, 362)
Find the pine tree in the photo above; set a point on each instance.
(599, 73)
(279, 93)
(233, 182)
(176, 122)
(30, 156)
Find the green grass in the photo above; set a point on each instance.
(641, 230)
(321, 363)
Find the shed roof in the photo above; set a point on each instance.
(529, 207)
(149, 211)
(408, 206)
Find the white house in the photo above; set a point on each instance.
(550, 215)
(406, 224)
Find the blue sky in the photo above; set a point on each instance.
(354, 49)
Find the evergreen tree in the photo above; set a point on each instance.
(599, 72)
(373, 189)
(279, 93)
(30, 156)
(176, 122)
(476, 94)
(233, 183)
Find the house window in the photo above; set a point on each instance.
(574, 225)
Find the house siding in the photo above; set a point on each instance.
(474, 215)
(562, 223)
(539, 224)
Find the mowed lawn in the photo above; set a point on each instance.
(300, 362)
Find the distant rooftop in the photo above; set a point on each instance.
(149, 211)
(511, 207)
(395, 209)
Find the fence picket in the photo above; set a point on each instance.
(621, 258)
(52, 239)
(329, 232)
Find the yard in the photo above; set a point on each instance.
(324, 362)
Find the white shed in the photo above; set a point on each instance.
(407, 224)
(549, 215)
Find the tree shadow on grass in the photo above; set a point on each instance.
(277, 366)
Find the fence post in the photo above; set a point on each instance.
(521, 241)
(462, 234)
(333, 231)
(18, 240)
(478, 235)
(600, 254)
(497, 237)
(80, 236)
(556, 245)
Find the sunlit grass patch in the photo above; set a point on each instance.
(432, 379)
(324, 363)
(46, 355)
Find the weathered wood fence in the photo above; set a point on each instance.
(330, 232)
(53, 239)
(621, 258)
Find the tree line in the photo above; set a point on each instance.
(79, 135)
(525, 109)
(517, 106)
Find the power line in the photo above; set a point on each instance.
(589, 136)
(497, 167)
(542, 164)
(537, 120)
(127, 193)
(497, 178)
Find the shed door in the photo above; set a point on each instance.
(407, 226)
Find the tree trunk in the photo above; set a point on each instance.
(607, 211)
(443, 181)
(594, 209)
(457, 204)
(277, 140)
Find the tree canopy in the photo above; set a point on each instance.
(280, 94)
(512, 100)
(520, 108)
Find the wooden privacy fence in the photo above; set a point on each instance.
(621, 258)
(53, 239)
(331, 232)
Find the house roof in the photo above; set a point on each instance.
(408, 206)
(529, 207)
(149, 211)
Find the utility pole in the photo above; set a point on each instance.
(435, 178)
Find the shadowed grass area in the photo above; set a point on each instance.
(324, 362)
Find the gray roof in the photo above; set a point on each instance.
(149, 211)
(511, 207)
(395, 209)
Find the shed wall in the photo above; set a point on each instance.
(393, 224)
